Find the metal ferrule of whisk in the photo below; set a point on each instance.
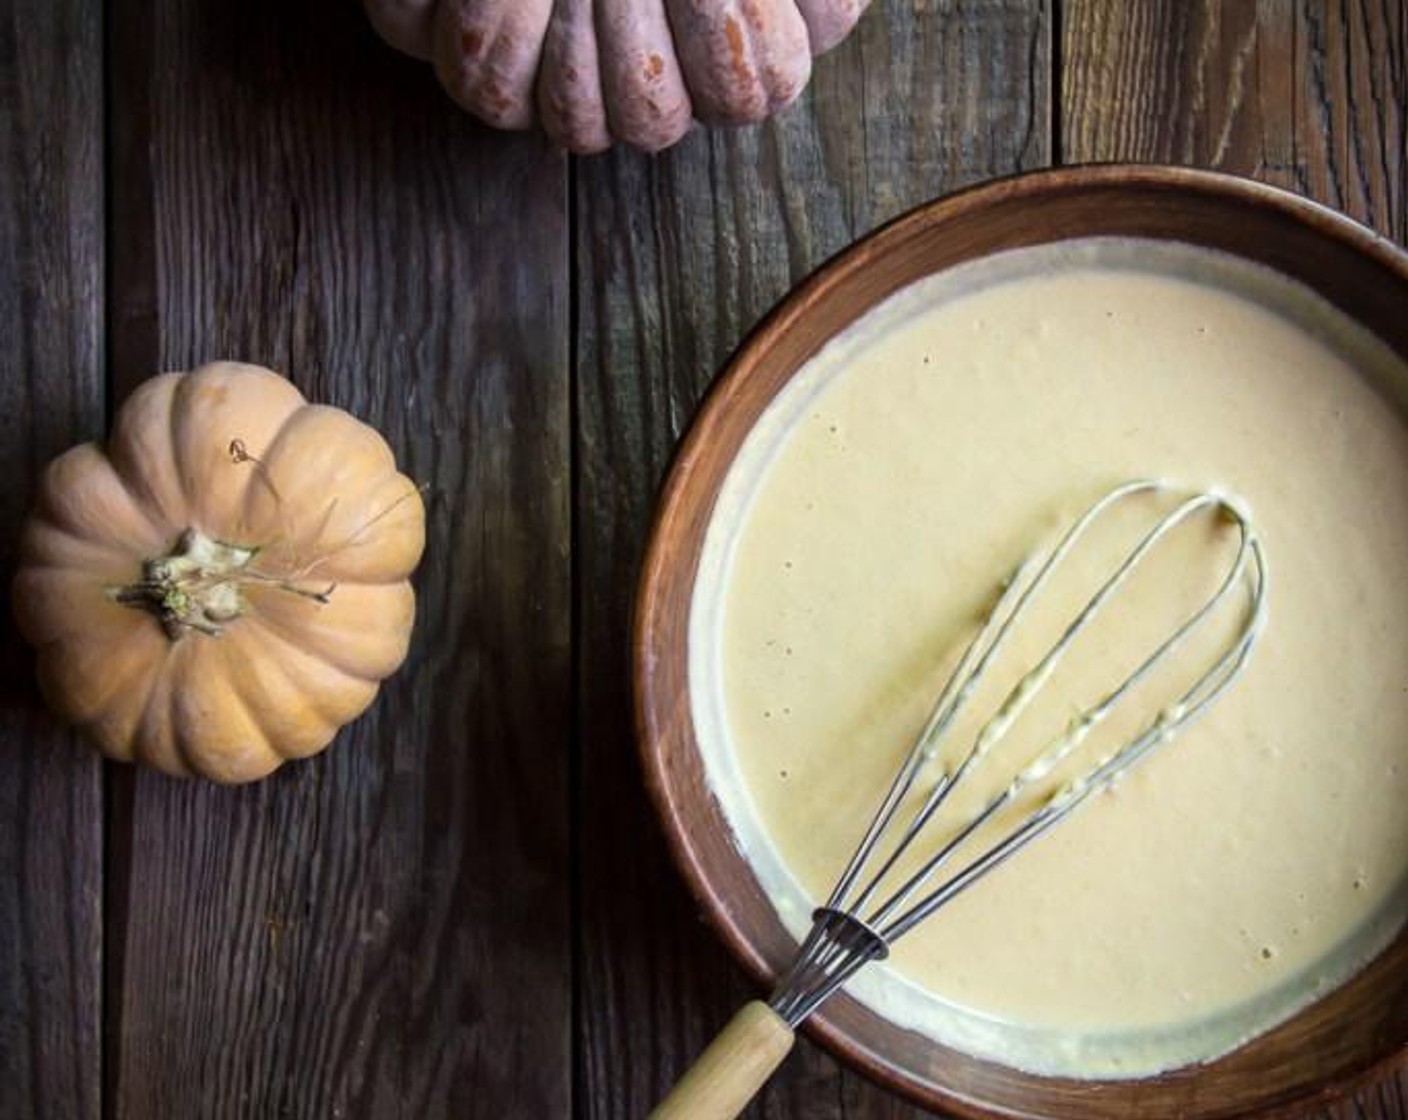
(866, 913)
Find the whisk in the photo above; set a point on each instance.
(865, 915)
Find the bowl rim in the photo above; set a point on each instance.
(650, 710)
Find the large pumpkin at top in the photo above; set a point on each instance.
(595, 71)
(225, 584)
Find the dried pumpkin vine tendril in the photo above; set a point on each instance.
(197, 585)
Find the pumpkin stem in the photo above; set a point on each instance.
(197, 585)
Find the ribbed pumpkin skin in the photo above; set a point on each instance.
(592, 72)
(235, 454)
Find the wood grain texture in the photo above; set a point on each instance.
(1307, 94)
(381, 931)
(51, 395)
(677, 258)
(732, 1069)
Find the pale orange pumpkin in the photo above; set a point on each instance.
(225, 584)
(592, 72)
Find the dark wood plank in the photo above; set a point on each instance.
(677, 257)
(1309, 95)
(51, 395)
(380, 932)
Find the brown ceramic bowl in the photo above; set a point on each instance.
(1359, 1031)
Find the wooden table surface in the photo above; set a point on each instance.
(464, 908)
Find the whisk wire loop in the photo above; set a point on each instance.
(841, 941)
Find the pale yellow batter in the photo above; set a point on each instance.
(1258, 860)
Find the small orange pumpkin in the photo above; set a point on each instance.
(225, 584)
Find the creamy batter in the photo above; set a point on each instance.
(1255, 862)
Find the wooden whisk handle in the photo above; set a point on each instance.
(730, 1072)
